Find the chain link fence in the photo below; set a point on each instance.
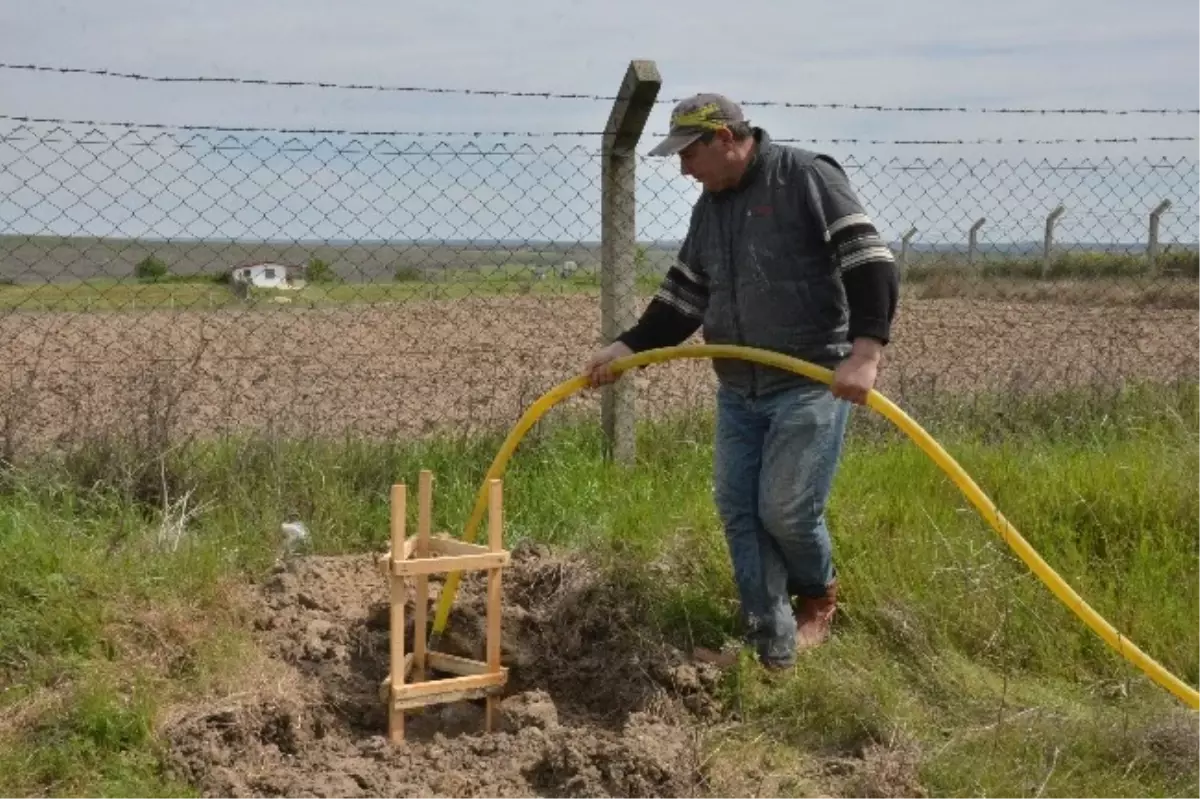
(205, 283)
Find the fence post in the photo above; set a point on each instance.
(618, 242)
(904, 240)
(1048, 242)
(1152, 241)
(973, 239)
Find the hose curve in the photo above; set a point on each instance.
(877, 402)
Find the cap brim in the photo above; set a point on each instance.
(674, 143)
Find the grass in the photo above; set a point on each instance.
(947, 650)
(201, 293)
(1079, 278)
(1074, 278)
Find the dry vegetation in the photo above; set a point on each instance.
(1117, 293)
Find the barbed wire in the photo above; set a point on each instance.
(310, 131)
(378, 87)
(163, 126)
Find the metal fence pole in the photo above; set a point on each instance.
(618, 201)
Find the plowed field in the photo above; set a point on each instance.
(479, 362)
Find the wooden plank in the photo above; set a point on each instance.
(385, 686)
(398, 664)
(432, 687)
(442, 546)
(495, 540)
(421, 602)
(416, 703)
(406, 551)
(492, 560)
(453, 664)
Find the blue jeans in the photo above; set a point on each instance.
(775, 459)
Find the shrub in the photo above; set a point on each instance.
(319, 271)
(406, 274)
(150, 269)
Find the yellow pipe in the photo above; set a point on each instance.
(877, 402)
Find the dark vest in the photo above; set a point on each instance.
(772, 277)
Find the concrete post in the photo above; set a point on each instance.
(618, 201)
(973, 240)
(904, 240)
(1048, 241)
(1152, 240)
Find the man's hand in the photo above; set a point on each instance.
(855, 377)
(598, 368)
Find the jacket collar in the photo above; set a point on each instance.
(762, 141)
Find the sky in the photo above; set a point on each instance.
(1018, 54)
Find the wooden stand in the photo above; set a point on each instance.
(419, 557)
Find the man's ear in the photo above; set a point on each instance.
(723, 135)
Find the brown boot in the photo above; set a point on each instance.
(813, 618)
(722, 659)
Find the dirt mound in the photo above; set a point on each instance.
(593, 706)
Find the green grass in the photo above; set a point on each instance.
(177, 293)
(1081, 277)
(98, 628)
(946, 644)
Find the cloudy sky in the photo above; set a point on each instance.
(1097, 54)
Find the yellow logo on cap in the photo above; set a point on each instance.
(699, 118)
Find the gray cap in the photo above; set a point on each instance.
(695, 116)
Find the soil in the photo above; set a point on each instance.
(477, 363)
(591, 708)
(594, 705)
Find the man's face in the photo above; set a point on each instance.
(710, 163)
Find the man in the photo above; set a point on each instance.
(779, 255)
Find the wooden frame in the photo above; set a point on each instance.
(408, 686)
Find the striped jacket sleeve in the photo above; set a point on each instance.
(862, 258)
(685, 287)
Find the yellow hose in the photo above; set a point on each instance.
(877, 402)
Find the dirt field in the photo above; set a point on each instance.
(479, 362)
(592, 708)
